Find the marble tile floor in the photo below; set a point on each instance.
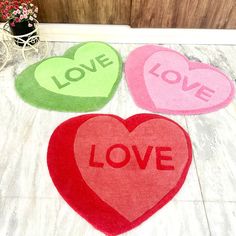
(30, 204)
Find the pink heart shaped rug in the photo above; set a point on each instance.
(117, 173)
(163, 80)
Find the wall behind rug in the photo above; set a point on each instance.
(184, 13)
(85, 11)
(218, 14)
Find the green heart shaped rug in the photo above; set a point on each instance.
(83, 79)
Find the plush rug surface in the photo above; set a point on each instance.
(163, 80)
(83, 79)
(116, 173)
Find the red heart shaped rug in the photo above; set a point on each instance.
(116, 173)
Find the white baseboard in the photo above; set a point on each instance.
(125, 34)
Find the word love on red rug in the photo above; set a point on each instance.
(117, 173)
(163, 80)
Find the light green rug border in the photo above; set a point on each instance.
(31, 92)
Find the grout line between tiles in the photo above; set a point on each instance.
(199, 182)
(57, 214)
(59, 198)
(35, 197)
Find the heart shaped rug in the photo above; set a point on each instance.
(163, 80)
(83, 79)
(117, 173)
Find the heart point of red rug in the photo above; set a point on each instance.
(116, 173)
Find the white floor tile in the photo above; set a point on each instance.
(28, 217)
(222, 218)
(213, 138)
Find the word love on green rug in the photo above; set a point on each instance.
(117, 173)
(83, 79)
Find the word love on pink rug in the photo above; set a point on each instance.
(116, 173)
(163, 80)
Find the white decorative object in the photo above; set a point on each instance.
(34, 46)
